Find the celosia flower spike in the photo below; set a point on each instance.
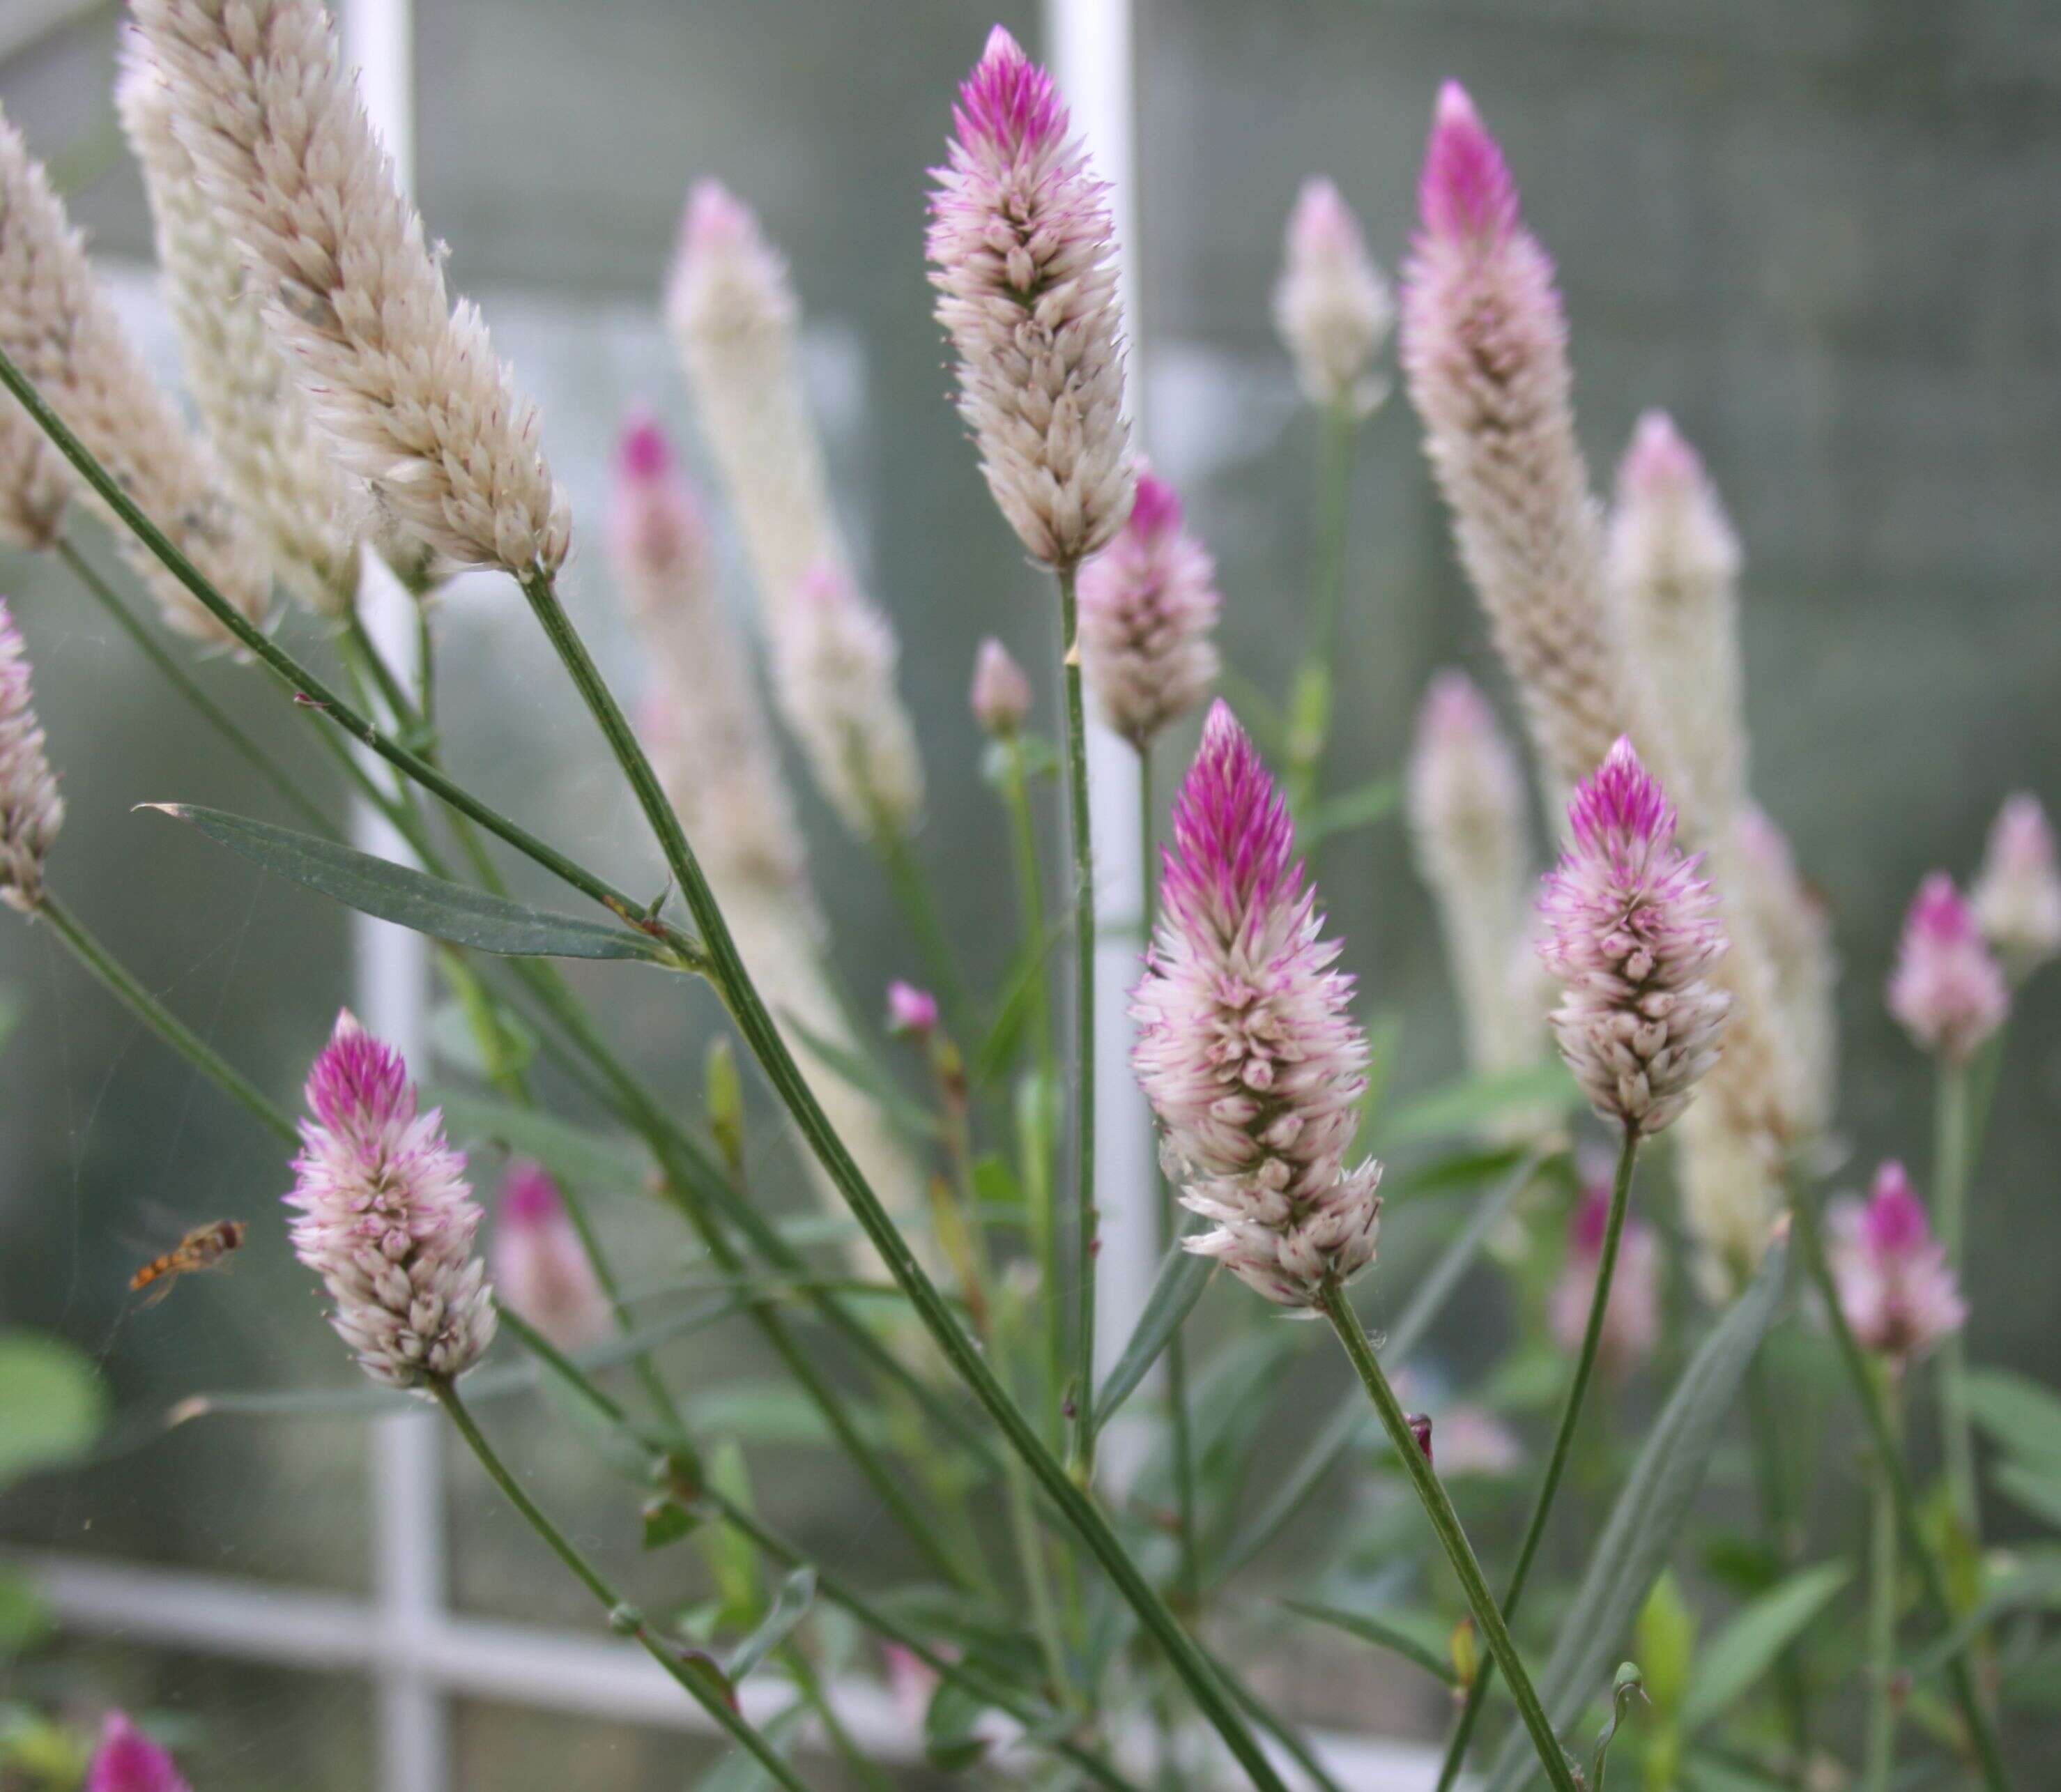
(1631, 1316)
(128, 1761)
(1331, 307)
(1147, 605)
(1947, 989)
(1631, 930)
(406, 383)
(1246, 1046)
(61, 329)
(2017, 898)
(1001, 695)
(1896, 1289)
(30, 809)
(1485, 349)
(541, 1269)
(1023, 255)
(387, 1218)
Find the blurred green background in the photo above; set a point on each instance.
(1827, 238)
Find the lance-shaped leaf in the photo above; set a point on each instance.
(1647, 1518)
(408, 898)
(790, 1606)
(1182, 1279)
(1436, 1661)
(1746, 1648)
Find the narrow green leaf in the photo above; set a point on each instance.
(865, 1076)
(2037, 1489)
(2031, 1581)
(997, 1050)
(53, 1404)
(1182, 1279)
(739, 1771)
(1648, 1516)
(666, 1521)
(476, 918)
(594, 1160)
(1457, 1109)
(2020, 1416)
(790, 1606)
(1436, 1661)
(1750, 1641)
(1349, 810)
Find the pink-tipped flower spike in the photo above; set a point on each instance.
(31, 811)
(1246, 1046)
(387, 1218)
(1947, 988)
(1794, 928)
(834, 658)
(1331, 307)
(1023, 252)
(1895, 1288)
(911, 1013)
(2017, 897)
(1631, 1318)
(1631, 932)
(1468, 826)
(541, 1269)
(1673, 565)
(1147, 605)
(1001, 695)
(128, 1761)
(1485, 351)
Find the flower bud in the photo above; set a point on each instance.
(2017, 898)
(128, 1761)
(1945, 988)
(1895, 1288)
(541, 1269)
(911, 1013)
(1001, 696)
(1331, 307)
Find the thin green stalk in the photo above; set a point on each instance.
(308, 689)
(265, 764)
(356, 643)
(1778, 1520)
(1310, 705)
(1880, 1750)
(1190, 1576)
(919, 908)
(625, 1619)
(1452, 1538)
(1081, 1456)
(1981, 1736)
(842, 1742)
(756, 1024)
(1953, 1148)
(117, 979)
(1556, 1461)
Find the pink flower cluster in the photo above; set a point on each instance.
(1023, 255)
(1246, 1047)
(1947, 988)
(1146, 608)
(128, 1761)
(1631, 931)
(387, 1218)
(541, 1269)
(1896, 1289)
(1631, 1317)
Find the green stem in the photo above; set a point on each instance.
(356, 641)
(1563, 1439)
(117, 979)
(841, 1740)
(1190, 1580)
(623, 1618)
(1778, 1520)
(912, 891)
(1953, 1148)
(1452, 1538)
(1878, 1756)
(1982, 1737)
(725, 969)
(1310, 705)
(1081, 1458)
(265, 764)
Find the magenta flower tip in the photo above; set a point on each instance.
(1009, 101)
(1895, 1216)
(1622, 807)
(911, 1013)
(1947, 988)
(1591, 1222)
(128, 1761)
(528, 1197)
(358, 1084)
(1467, 192)
(1895, 1285)
(642, 450)
(1658, 462)
(1156, 508)
(715, 218)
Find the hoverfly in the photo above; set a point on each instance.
(206, 1247)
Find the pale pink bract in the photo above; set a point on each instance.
(1947, 988)
(128, 1761)
(541, 1269)
(1896, 1289)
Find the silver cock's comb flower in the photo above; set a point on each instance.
(1631, 1317)
(1485, 350)
(387, 1218)
(128, 1761)
(1146, 608)
(31, 811)
(1331, 307)
(1631, 930)
(541, 1269)
(1023, 255)
(2017, 898)
(1895, 1287)
(1246, 1046)
(1946, 987)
